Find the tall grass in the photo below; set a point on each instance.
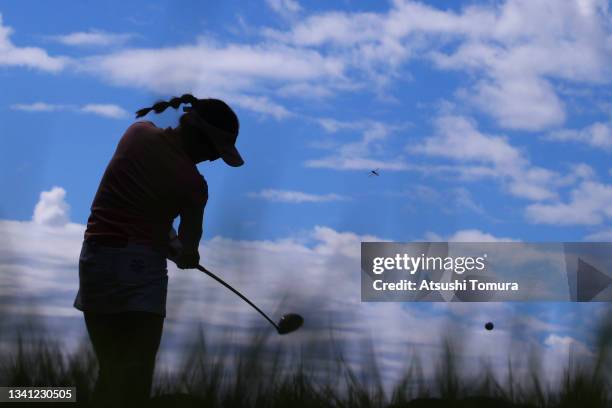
(262, 374)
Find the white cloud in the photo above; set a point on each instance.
(463, 199)
(468, 235)
(37, 107)
(305, 90)
(448, 201)
(312, 273)
(523, 103)
(566, 345)
(52, 209)
(357, 163)
(263, 105)
(106, 110)
(581, 171)
(286, 8)
(474, 235)
(367, 153)
(515, 48)
(232, 66)
(336, 28)
(523, 47)
(600, 236)
(590, 203)
(246, 75)
(92, 37)
(287, 196)
(332, 125)
(458, 139)
(30, 57)
(597, 135)
(512, 52)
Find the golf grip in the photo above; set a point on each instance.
(221, 281)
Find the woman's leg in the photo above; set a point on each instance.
(126, 345)
(142, 342)
(102, 330)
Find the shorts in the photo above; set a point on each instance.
(133, 278)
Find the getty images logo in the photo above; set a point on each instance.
(412, 264)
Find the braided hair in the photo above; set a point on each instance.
(161, 106)
(214, 111)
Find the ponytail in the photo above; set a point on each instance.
(161, 106)
(214, 112)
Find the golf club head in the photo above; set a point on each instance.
(289, 323)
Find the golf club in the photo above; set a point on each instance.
(287, 324)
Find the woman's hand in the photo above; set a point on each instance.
(183, 258)
(188, 260)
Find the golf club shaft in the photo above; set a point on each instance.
(221, 281)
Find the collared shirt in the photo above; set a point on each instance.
(148, 182)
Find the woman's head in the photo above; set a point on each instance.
(209, 128)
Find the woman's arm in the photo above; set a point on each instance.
(190, 233)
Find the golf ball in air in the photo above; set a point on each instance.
(489, 326)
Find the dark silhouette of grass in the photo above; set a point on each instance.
(264, 374)
(42, 363)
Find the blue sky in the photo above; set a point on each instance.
(488, 120)
(310, 131)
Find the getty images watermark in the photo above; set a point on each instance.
(482, 272)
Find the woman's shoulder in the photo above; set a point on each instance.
(136, 134)
(143, 125)
(141, 129)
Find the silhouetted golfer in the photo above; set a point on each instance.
(151, 179)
